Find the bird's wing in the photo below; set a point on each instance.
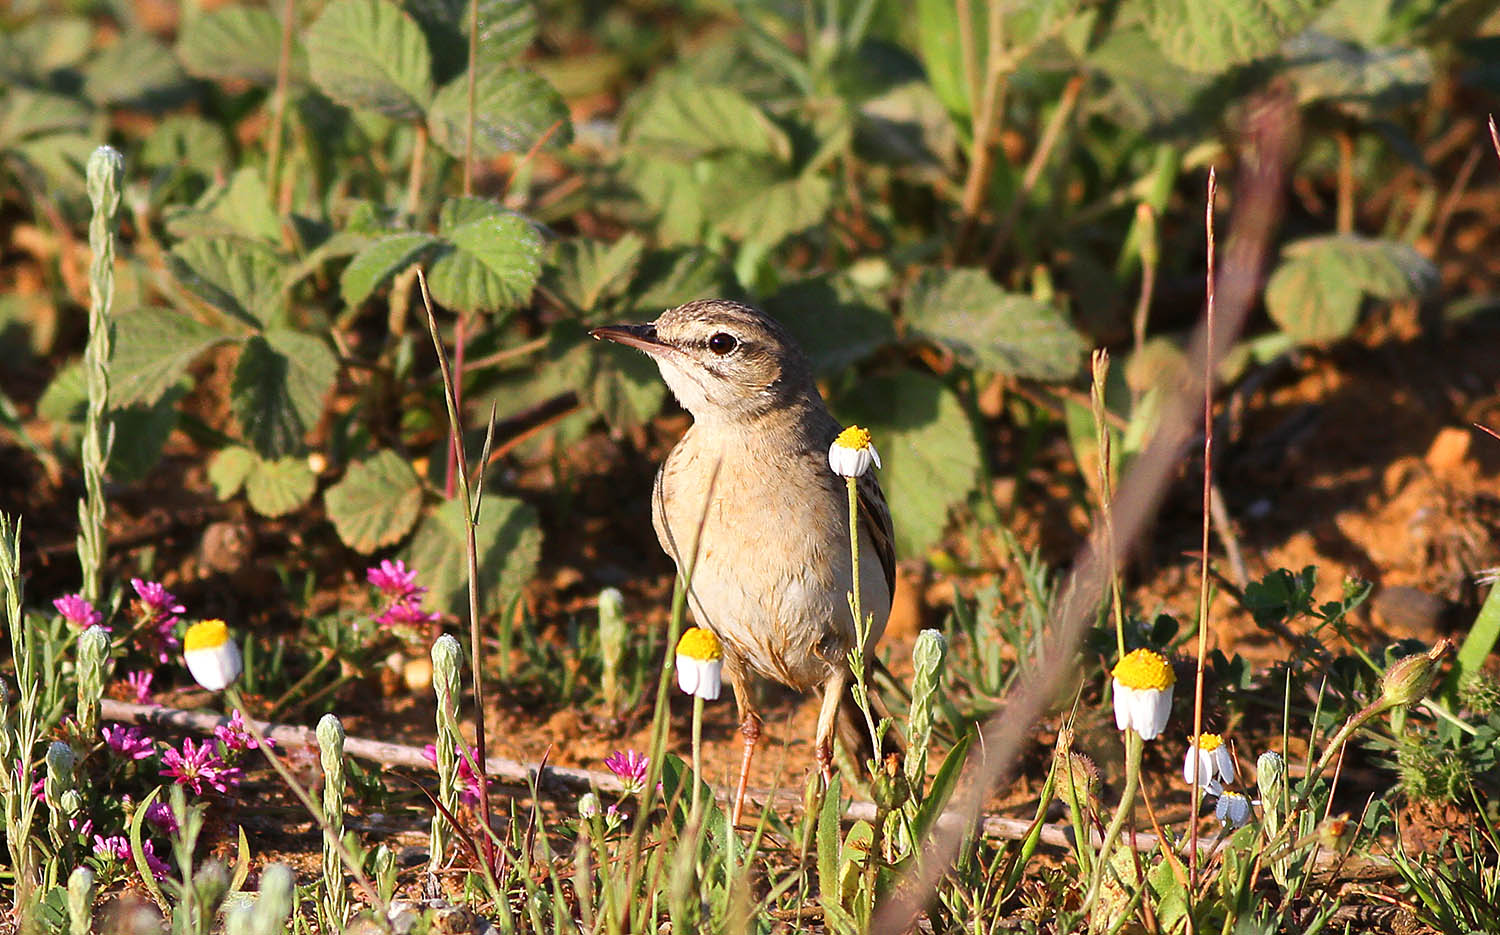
(875, 518)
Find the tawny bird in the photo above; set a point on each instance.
(748, 508)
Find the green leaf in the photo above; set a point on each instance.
(681, 120)
(927, 444)
(1360, 81)
(937, 36)
(141, 432)
(619, 383)
(239, 278)
(668, 278)
(379, 262)
(240, 208)
(991, 329)
(376, 503)
(513, 110)
(46, 44)
(371, 54)
(276, 488)
(187, 142)
(237, 43)
(1214, 36)
(278, 389)
(941, 790)
(586, 272)
(772, 214)
(506, 28)
(835, 324)
(228, 469)
(26, 113)
(492, 264)
(509, 544)
(136, 71)
(1316, 292)
(153, 348)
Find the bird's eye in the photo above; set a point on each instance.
(722, 343)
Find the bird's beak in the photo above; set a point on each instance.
(640, 337)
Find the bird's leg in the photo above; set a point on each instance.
(750, 730)
(833, 693)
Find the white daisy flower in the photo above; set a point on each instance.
(700, 664)
(852, 453)
(1208, 757)
(1143, 683)
(211, 656)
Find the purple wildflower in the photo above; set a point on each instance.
(159, 868)
(78, 612)
(159, 609)
(407, 612)
(199, 765)
(160, 815)
(115, 847)
(236, 737)
(467, 781)
(129, 743)
(140, 683)
(84, 829)
(394, 579)
(631, 768)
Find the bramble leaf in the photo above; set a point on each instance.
(153, 348)
(237, 43)
(991, 329)
(509, 544)
(278, 389)
(1316, 292)
(371, 54)
(376, 503)
(514, 110)
(377, 263)
(277, 487)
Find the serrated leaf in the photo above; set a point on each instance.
(1316, 292)
(833, 323)
(506, 28)
(668, 278)
(1357, 79)
(1214, 36)
(136, 71)
(276, 488)
(991, 329)
(928, 447)
(240, 208)
(513, 110)
(239, 278)
(228, 468)
(621, 384)
(508, 542)
(371, 54)
(586, 272)
(491, 263)
(26, 113)
(44, 45)
(457, 212)
(776, 212)
(188, 142)
(141, 431)
(376, 503)
(66, 398)
(278, 389)
(377, 263)
(153, 348)
(237, 43)
(681, 120)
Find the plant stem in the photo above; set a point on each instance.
(278, 99)
(1134, 747)
(697, 759)
(106, 170)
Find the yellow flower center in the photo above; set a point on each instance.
(1209, 742)
(854, 438)
(698, 643)
(205, 634)
(1143, 669)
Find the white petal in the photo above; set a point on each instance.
(712, 680)
(1160, 712)
(687, 673)
(214, 667)
(1122, 704)
(1143, 713)
(1224, 763)
(875, 456)
(1188, 762)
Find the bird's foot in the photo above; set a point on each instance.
(824, 754)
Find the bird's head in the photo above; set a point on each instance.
(725, 362)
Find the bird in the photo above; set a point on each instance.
(756, 521)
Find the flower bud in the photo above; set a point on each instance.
(1270, 777)
(1408, 680)
(1077, 779)
(588, 806)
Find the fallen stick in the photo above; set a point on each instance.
(562, 779)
